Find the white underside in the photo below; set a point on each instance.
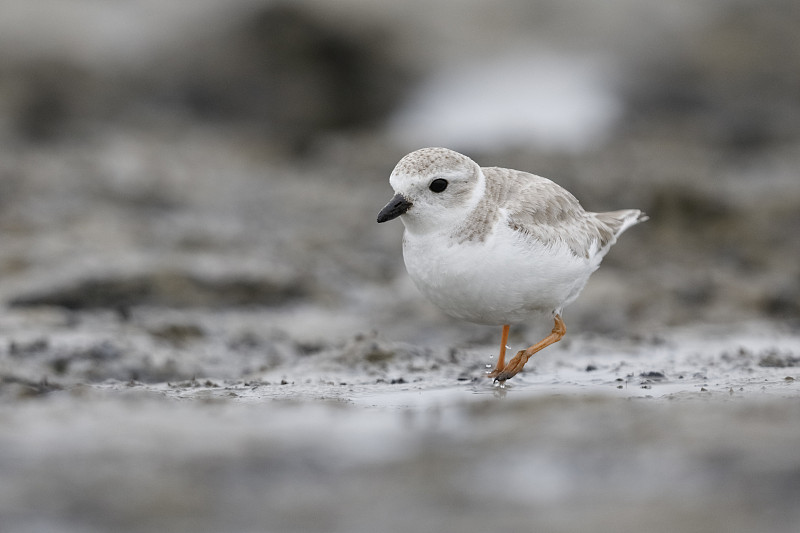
(505, 279)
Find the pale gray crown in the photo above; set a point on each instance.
(429, 161)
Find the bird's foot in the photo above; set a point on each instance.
(515, 365)
(511, 369)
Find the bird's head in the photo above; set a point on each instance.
(435, 188)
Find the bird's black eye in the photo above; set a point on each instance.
(438, 185)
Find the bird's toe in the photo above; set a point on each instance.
(511, 369)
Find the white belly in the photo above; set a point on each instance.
(503, 280)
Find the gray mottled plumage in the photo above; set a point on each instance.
(540, 209)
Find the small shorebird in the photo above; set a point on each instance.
(497, 246)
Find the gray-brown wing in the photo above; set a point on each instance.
(542, 210)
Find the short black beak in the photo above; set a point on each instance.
(396, 207)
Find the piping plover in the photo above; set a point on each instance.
(497, 246)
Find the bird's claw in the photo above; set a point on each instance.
(511, 369)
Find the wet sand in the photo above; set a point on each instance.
(695, 429)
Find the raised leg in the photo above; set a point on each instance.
(501, 359)
(515, 365)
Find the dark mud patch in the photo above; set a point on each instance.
(778, 360)
(20, 388)
(166, 289)
(178, 334)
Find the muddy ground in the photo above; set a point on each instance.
(204, 329)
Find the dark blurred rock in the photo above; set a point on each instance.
(283, 70)
(291, 73)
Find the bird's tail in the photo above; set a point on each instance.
(619, 221)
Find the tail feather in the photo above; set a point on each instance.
(619, 221)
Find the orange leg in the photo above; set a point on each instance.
(515, 365)
(501, 360)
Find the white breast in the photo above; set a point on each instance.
(504, 279)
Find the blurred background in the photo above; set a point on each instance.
(235, 153)
(188, 195)
(164, 153)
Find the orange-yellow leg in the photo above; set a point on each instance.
(501, 359)
(515, 365)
